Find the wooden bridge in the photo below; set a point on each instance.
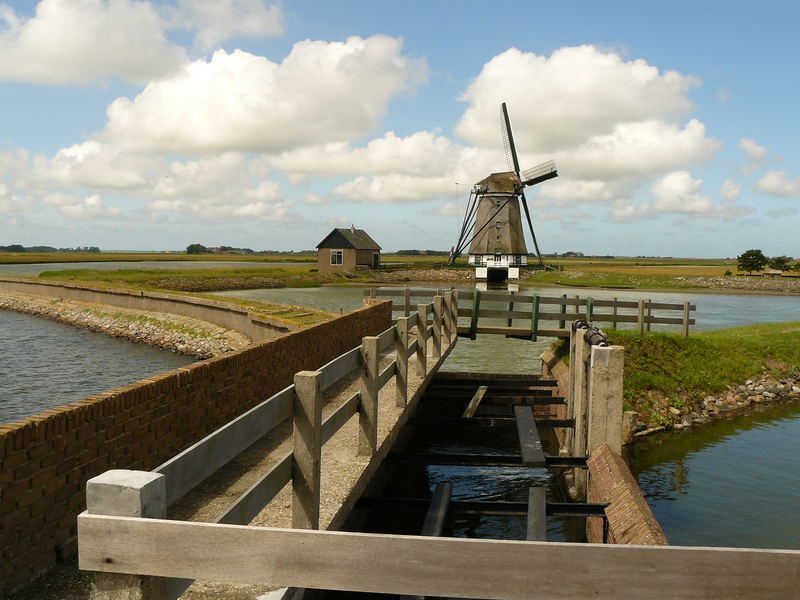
(136, 552)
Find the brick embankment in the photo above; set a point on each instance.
(630, 520)
(175, 333)
(45, 460)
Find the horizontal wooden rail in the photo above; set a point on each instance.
(595, 317)
(340, 416)
(192, 466)
(400, 564)
(249, 504)
(386, 375)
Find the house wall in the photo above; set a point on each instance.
(364, 257)
(348, 260)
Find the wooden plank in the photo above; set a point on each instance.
(537, 514)
(386, 339)
(340, 367)
(192, 466)
(437, 512)
(307, 450)
(387, 374)
(261, 493)
(475, 402)
(524, 332)
(529, 443)
(422, 340)
(336, 560)
(401, 358)
(435, 519)
(340, 416)
(412, 348)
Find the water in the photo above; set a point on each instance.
(47, 364)
(33, 270)
(730, 483)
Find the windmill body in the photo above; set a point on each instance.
(492, 226)
(498, 245)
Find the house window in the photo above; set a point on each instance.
(497, 225)
(337, 257)
(498, 204)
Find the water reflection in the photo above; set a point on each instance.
(729, 483)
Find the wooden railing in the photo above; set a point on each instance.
(302, 401)
(534, 309)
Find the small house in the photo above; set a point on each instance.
(346, 249)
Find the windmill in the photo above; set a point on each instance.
(492, 225)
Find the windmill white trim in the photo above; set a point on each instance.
(492, 225)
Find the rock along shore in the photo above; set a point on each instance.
(176, 333)
(765, 389)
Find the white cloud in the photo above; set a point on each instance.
(94, 165)
(730, 190)
(322, 92)
(777, 183)
(217, 20)
(394, 188)
(753, 150)
(448, 209)
(11, 203)
(211, 209)
(313, 199)
(87, 208)
(636, 149)
(576, 191)
(576, 93)
(265, 191)
(677, 192)
(82, 41)
(423, 153)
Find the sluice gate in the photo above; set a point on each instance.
(399, 400)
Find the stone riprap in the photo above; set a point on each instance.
(176, 333)
(758, 390)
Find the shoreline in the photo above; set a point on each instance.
(175, 333)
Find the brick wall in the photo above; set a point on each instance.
(46, 459)
(630, 520)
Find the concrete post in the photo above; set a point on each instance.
(685, 319)
(605, 398)
(307, 452)
(640, 317)
(437, 327)
(422, 340)
(447, 319)
(124, 493)
(401, 350)
(368, 408)
(406, 302)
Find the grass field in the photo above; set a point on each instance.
(663, 369)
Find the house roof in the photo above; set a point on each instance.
(343, 237)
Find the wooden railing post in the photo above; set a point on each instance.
(124, 493)
(579, 403)
(640, 317)
(437, 327)
(307, 452)
(685, 319)
(562, 310)
(406, 302)
(614, 309)
(368, 409)
(401, 350)
(649, 313)
(447, 318)
(422, 340)
(454, 313)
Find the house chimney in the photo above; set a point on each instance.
(352, 228)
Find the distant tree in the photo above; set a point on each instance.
(751, 260)
(15, 248)
(781, 263)
(196, 249)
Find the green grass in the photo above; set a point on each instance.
(161, 323)
(617, 280)
(665, 369)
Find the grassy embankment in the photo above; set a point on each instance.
(195, 282)
(664, 369)
(69, 257)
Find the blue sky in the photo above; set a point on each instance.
(152, 125)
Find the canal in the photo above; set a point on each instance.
(731, 483)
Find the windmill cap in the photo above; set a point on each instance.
(500, 183)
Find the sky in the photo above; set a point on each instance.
(150, 125)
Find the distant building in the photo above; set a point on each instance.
(346, 249)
